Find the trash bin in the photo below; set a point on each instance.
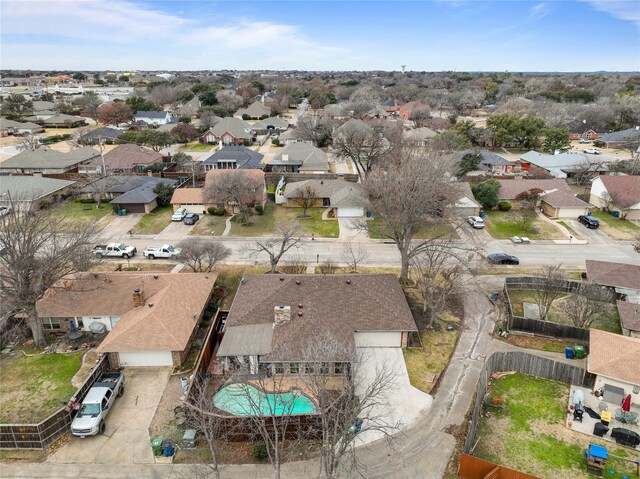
(482, 214)
(568, 352)
(167, 448)
(156, 446)
(124, 212)
(615, 214)
(579, 351)
(494, 296)
(119, 212)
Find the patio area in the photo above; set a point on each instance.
(588, 423)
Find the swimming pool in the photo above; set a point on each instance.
(245, 400)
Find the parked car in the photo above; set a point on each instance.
(584, 141)
(164, 251)
(114, 250)
(4, 210)
(190, 219)
(592, 151)
(502, 258)
(589, 221)
(179, 214)
(476, 221)
(98, 402)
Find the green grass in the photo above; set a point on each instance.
(34, 387)
(266, 224)
(196, 146)
(208, 223)
(615, 227)
(500, 225)
(154, 222)
(77, 214)
(259, 225)
(377, 231)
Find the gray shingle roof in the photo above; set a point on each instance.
(244, 157)
(141, 195)
(104, 132)
(151, 114)
(306, 156)
(509, 189)
(489, 158)
(622, 135)
(234, 126)
(29, 188)
(274, 121)
(46, 158)
(340, 193)
(255, 110)
(124, 183)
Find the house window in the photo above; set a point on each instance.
(51, 323)
(338, 369)
(636, 389)
(324, 368)
(294, 368)
(278, 368)
(308, 368)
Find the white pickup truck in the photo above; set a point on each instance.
(98, 402)
(164, 251)
(111, 250)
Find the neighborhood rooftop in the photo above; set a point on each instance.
(47, 158)
(619, 275)
(614, 356)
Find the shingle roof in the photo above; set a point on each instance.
(62, 118)
(561, 198)
(629, 315)
(489, 158)
(234, 126)
(619, 275)
(255, 110)
(615, 356)
(338, 304)
(143, 194)
(46, 158)
(151, 114)
(622, 135)
(625, 189)
(274, 121)
(127, 157)
(5, 123)
(307, 156)
(509, 189)
(420, 134)
(29, 188)
(188, 196)
(104, 132)
(340, 193)
(245, 158)
(562, 161)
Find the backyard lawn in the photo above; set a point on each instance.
(34, 387)
(75, 214)
(196, 146)
(208, 224)
(500, 225)
(615, 227)
(609, 322)
(266, 224)
(154, 222)
(529, 433)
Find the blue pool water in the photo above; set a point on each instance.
(245, 400)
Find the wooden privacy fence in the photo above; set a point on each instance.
(475, 468)
(525, 363)
(44, 433)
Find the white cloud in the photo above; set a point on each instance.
(538, 11)
(628, 10)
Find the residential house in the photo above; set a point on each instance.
(299, 158)
(112, 186)
(407, 109)
(629, 318)
(490, 163)
(378, 113)
(581, 130)
(41, 105)
(229, 131)
(126, 158)
(274, 318)
(189, 109)
(233, 157)
(613, 359)
(46, 161)
(467, 205)
(138, 196)
(25, 192)
(336, 112)
(273, 124)
(391, 106)
(419, 137)
(619, 194)
(623, 278)
(156, 118)
(63, 121)
(563, 165)
(563, 204)
(194, 200)
(10, 127)
(346, 199)
(510, 189)
(104, 134)
(151, 318)
(622, 138)
(255, 111)
(294, 135)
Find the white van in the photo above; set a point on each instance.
(476, 221)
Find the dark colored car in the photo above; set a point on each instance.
(589, 221)
(502, 258)
(190, 219)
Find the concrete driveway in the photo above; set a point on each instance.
(119, 228)
(174, 230)
(350, 228)
(126, 439)
(593, 236)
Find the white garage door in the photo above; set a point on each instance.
(146, 358)
(350, 212)
(197, 209)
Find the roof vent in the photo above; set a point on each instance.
(299, 314)
(300, 305)
(281, 278)
(298, 282)
(150, 305)
(155, 276)
(348, 281)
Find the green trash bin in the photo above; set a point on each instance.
(156, 446)
(579, 351)
(124, 212)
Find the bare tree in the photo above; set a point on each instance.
(38, 251)
(588, 305)
(316, 127)
(89, 104)
(549, 280)
(359, 142)
(414, 194)
(354, 254)
(622, 202)
(421, 115)
(230, 100)
(209, 119)
(305, 196)
(238, 188)
(287, 237)
(586, 170)
(328, 267)
(363, 100)
(201, 255)
(28, 143)
(186, 163)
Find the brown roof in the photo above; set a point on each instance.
(173, 304)
(614, 356)
(629, 315)
(254, 175)
(626, 189)
(187, 196)
(509, 189)
(338, 304)
(619, 275)
(562, 198)
(127, 157)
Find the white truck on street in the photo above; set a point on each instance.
(90, 419)
(111, 250)
(164, 251)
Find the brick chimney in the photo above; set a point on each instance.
(282, 314)
(138, 298)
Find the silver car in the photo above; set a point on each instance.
(476, 222)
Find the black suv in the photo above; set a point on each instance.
(589, 221)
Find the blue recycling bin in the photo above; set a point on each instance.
(615, 214)
(568, 352)
(482, 214)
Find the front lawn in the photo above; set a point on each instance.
(75, 214)
(34, 387)
(377, 231)
(209, 225)
(154, 222)
(615, 227)
(196, 146)
(529, 433)
(500, 225)
(266, 224)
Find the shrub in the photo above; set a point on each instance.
(246, 142)
(259, 209)
(260, 451)
(44, 204)
(275, 142)
(211, 210)
(245, 117)
(504, 206)
(86, 201)
(184, 119)
(218, 211)
(328, 267)
(599, 144)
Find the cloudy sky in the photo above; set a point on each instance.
(433, 35)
